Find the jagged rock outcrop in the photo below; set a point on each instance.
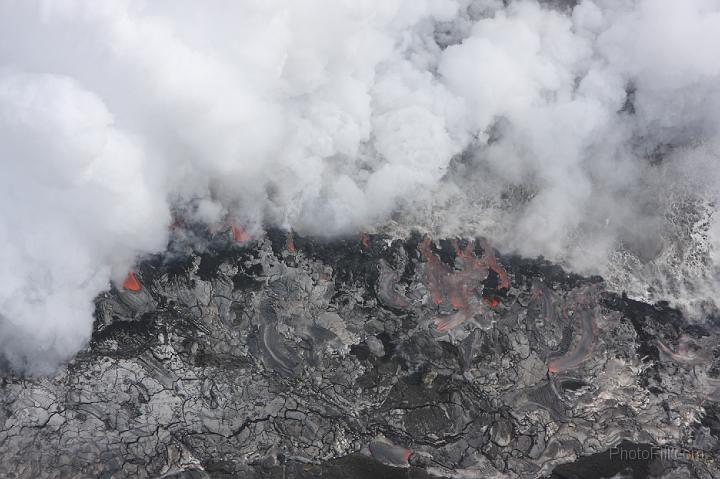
(365, 357)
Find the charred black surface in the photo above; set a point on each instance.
(647, 319)
(634, 461)
(355, 466)
(526, 270)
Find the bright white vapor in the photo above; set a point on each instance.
(569, 131)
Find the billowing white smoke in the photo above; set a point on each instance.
(78, 200)
(587, 134)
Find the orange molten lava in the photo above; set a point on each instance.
(131, 283)
(491, 261)
(457, 287)
(364, 240)
(290, 243)
(492, 302)
(239, 234)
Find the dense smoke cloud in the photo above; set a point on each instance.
(587, 133)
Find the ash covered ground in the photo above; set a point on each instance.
(292, 357)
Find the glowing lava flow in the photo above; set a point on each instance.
(131, 283)
(386, 452)
(239, 234)
(491, 262)
(290, 242)
(458, 289)
(492, 302)
(364, 240)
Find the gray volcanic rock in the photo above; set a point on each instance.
(369, 358)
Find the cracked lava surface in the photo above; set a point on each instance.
(286, 356)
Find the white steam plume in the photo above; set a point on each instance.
(587, 133)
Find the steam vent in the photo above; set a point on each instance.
(359, 239)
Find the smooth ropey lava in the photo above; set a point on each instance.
(359, 239)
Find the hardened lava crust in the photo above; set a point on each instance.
(368, 357)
